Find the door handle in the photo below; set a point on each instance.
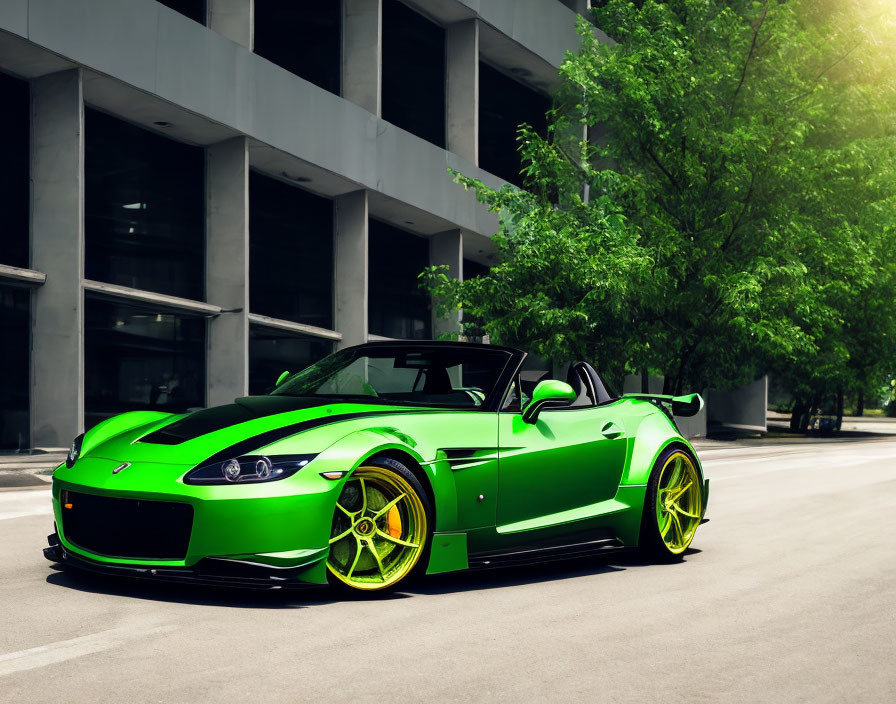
(611, 430)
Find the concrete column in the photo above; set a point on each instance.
(447, 248)
(362, 53)
(351, 268)
(235, 19)
(462, 89)
(227, 269)
(581, 7)
(57, 249)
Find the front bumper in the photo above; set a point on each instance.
(208, 571)
(280, 529)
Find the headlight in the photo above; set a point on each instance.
(248, 469)
(74, 451)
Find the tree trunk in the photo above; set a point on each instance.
(839, 408)
(860, 403)
(645, 381)
(799, 408)
(813, 410)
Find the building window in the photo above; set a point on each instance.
(15, 124)
(144, 209)
(413, 72)
(140, 357)
(272, 352)
(397, 306)
(290, 253)
(15, 322)
(473, 269)
(194, 9)
(505, 104)
(305, 38)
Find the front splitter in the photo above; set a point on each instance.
(208, 571)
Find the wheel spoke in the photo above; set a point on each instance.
(678, 529)
(666, 529)
(385, 509)
(342, 508)
(376, 555)
(678, 493)
(363, 496)
(676, 474)
(397, 541)
(340, 536)
(680, 510)
(355, 562)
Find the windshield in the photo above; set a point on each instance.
(446, 375)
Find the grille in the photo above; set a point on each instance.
(157, 530)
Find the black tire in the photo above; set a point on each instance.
(651, 542)
(401, 471)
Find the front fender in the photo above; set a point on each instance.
(351, 451)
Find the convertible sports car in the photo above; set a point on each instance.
(378, 461)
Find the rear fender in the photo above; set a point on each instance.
(655, 433)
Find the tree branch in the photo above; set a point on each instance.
(743, 73)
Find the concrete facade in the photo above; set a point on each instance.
(203, 85)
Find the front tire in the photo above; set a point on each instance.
(673, 505)
(381, 527)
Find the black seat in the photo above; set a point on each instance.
(437, 381)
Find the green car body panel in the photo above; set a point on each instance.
(495, 482)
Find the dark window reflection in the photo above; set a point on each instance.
(290, 253)
(305, 38)
(194, 9)
(504, 104)
(140, 357)
(272, 352)
(397, 306)
(144, 209)
(473, 269)
(413, 72)
(15, 325)
(14, 171)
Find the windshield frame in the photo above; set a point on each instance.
(513, 359)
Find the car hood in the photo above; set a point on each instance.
(222, 432)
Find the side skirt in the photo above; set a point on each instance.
(565, 548)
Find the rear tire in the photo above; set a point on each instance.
(381, 528)
(673, 506)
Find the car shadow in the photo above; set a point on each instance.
(570, 568)
(431, 585)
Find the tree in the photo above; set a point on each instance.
(716, 242)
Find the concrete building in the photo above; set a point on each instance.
(199, 194)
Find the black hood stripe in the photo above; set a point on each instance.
(257, 441)
(208, 420)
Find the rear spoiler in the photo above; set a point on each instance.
(688, 405)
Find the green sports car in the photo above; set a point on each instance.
(379, 461)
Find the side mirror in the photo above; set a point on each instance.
(281, 378)
(549, 391)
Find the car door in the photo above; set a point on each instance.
(558, 469)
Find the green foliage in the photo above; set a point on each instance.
(741, 178)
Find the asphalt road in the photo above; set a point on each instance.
(789, 594)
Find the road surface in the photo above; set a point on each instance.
(789, 594)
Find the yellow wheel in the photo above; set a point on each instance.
(380, 527)
(673, 506)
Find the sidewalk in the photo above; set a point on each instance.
(28, 470)
(854, 429)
